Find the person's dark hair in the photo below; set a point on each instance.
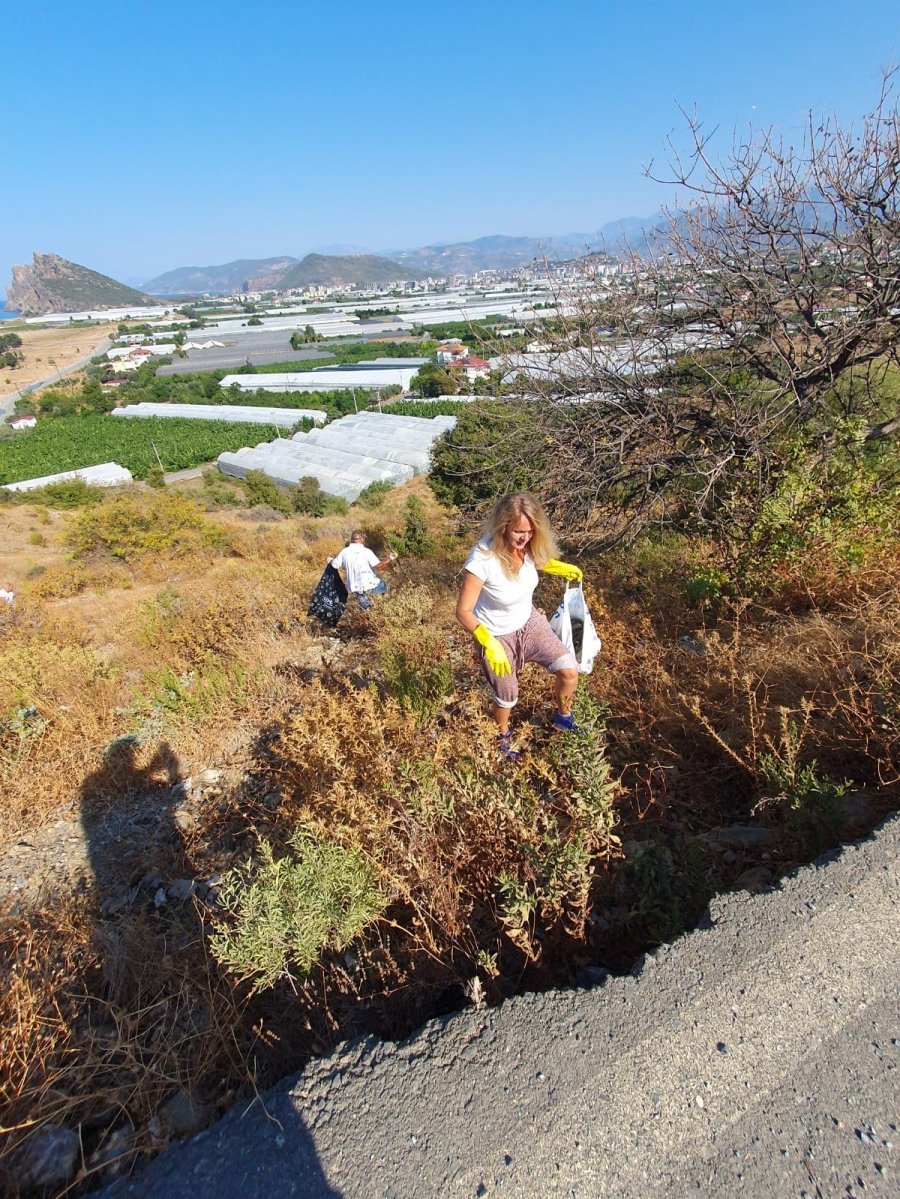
(358, 535)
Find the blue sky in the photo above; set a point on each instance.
(138, 138)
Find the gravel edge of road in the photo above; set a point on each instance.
(309, 1118)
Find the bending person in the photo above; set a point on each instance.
(359, 564)
(495, 606)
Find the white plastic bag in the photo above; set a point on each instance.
(572, 624)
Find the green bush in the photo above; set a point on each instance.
(705, 587)
(67, 494)
(374, 495)
(810, 802)
(308, 497)
(670, 894)
(418, 687)
(280, 914)
(593, 787)
(128, 527)
(259, 489)
(495, 448)
(416, 540)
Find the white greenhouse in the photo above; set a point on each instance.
(346, 456)
(282, 418)
(325, 379)
(106, 474)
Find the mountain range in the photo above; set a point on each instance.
(53, 284)
(328, 268)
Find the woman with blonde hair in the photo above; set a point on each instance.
(495, 606)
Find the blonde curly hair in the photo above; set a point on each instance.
(541, 547)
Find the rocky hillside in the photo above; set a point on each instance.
(53, 284)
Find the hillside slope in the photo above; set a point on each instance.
(252, 273)
(53, 284)
(336, 270)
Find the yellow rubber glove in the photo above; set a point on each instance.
(494, 652)
(571, 573)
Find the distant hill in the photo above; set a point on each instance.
(344, 270)
(342, 265)
(244, 274)
(500, 253)
(485, 253)
(53, 284)
(259, 274)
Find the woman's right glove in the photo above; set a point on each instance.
(494, 653)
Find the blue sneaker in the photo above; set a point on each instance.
(505, 749)
(564, 724)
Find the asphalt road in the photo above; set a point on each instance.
(759, 1057)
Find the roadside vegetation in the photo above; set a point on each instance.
(363, 861)
(349, 857)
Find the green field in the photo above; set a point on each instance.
(69, 443)
(424, 408)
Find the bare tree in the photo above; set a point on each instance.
(758, 322)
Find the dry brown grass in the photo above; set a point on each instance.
(513, 875)
(49, 353)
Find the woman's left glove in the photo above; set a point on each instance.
(568, 571)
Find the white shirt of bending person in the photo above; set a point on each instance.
(359, 563)
(7, 595)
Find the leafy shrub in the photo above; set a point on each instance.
(433, 380)
(374, 495)
(413, 651)
(62, 582)
(129, 527)
(259, 489)
(36, 673)
(593, 787)
(417, 686)
(280, 914)
(307, 496)
(220, 491)
(156, 477)
(416, 541)
(810, 802)
(193, 695)
(493, 449)
(705, 586)
(67, 494)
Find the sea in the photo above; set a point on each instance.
(7, 314)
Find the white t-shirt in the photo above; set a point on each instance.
(504, 604)
(358, 561)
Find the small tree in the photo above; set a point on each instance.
(744, 345)
(432, 380)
